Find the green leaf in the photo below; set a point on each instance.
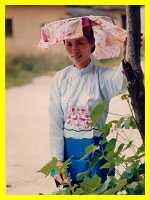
(133, 122)
(93, 183)
(82, 175)
(84, 157)
(105, 129)
(91, 148)
(136, 187)
(48, 167)
(103, 187)
(113, 122)
(64, 191)
(128, 145)
(97, 112)
(94, 161)
(110, 155)
(119, 122)
(121, 183)
(111, 145)
(130, 159)
(64, 167)
(79, 191)
(127, 123)
(119, 149)
(106, 165)
(90, 184)
(119, 160)
(125, 97)
(141, 149)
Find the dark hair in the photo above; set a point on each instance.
(88, 31)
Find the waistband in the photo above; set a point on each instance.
(81, 134)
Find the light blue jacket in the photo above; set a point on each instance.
(73, 94)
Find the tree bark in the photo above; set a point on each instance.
(133, 69)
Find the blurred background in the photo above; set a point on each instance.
(28, 73)
(23, 58)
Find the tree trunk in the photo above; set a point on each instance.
(133, 69)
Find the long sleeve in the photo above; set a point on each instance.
(112, 82)
(56, 120)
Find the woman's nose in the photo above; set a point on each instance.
(75, 47)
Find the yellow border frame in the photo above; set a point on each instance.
(3, 195)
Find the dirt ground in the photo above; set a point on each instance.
(27, 141)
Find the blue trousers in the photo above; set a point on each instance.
(75, 149)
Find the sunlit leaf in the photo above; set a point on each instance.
(104, 186)
(128, 145)
(64, 166)
(121, 183)
(125, 97)
(46, 169)
(82, 175)
(106, 165)
(111, 145)
(78, 191)
(119, 149)
(91, 148)
(127, 123)
(141, 149)
(110, 155)
(97, 112)
(93, 183)
(94, 161)
(105, 129)
(119, 122)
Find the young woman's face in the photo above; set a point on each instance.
(79, 51)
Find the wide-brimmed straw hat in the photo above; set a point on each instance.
(109, 38)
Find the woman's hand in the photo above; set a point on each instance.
(60, 178)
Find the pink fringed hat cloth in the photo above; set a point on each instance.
(109, 37)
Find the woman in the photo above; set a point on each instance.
(75, 91)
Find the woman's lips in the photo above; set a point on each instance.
(76, 56)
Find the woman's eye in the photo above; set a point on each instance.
(81, 43)
(68, 44)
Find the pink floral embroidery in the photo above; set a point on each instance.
(78, 117)
(109, 38)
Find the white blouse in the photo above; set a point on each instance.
(73, 94)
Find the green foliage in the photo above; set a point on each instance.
(46, 169)
(105, 129)
(136, 188)
(129, 181)
(91, 148)
(119, 186)
(111, 145)
(97, 112)
(51, 168)
(124, 122)
(64, 167)
(21, 69)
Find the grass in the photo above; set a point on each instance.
(22, 69)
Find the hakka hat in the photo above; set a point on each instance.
(109, 38)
